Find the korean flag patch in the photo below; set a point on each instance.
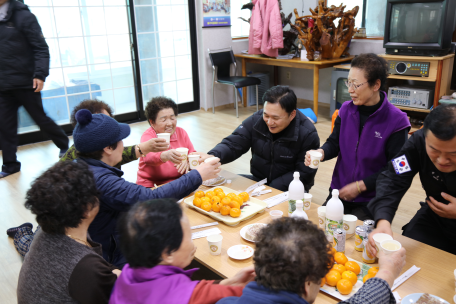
(401, 165)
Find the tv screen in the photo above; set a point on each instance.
(416, 22)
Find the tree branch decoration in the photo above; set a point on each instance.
(318, 32)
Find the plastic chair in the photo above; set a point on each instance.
(223, 61)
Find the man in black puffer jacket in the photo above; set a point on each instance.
(279, 136)
(24, 66)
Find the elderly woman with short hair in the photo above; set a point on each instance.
(64, 265)
(163, 167)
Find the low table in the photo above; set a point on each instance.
(435, 277)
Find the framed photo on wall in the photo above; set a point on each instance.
(216, 13)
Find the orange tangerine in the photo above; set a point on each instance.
(235, 212)
(225, 210)
(323, 281)
(245, 196)
(231, 194)
(344, 286)
(234, 204)
(353, 266)
(332, 277)
(216, 207)
(351, 276)
(340, 258)
(373, 271)
(221, 194)
(206, 206)
(333, 251)
(226, 201)
(210, 194)
(367, 277)
(217, 190)
(339, 267)
(215, 199)
(199, 194)
(238, 199)
(205, 199)
(197, 202)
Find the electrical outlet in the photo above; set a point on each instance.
(288, 75)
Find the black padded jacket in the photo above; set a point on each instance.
(277, 159)
(24, 53)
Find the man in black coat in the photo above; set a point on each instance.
(24, 66)
(279, 136)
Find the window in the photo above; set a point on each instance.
(89, 45)
(373, 19)
(239, 28)
(165, 54)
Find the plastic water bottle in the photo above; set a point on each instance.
(299, 212)
(334, 214)
(295, 192)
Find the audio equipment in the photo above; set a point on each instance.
(411, 97)
(408, 68)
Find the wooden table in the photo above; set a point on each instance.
(297, 63)
(435, 277)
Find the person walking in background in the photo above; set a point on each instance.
(24, 62)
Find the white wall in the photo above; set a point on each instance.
(301, 80)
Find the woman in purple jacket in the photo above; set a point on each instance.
(367, 134)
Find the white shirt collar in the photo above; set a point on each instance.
(4, 10)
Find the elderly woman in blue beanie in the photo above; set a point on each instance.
(98, 140)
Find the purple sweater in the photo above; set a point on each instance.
(361, 156)
(158, 285)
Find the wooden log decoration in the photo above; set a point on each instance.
(317, 32)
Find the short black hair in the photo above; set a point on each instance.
(374, 67)
(61, 196)
(96, 154)
(95, 106)
(442, 122)
(148, 229)
(283, 95)
(290, 252)
(157, 104)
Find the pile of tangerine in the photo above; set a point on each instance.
(344, 273)
(216, 200)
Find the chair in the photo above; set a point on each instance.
(223, 61)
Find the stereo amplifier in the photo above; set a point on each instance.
(408, 68)
(411, 97)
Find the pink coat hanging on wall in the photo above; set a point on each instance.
(266, 35)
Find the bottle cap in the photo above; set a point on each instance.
(296, 174)
(335, 192)
(299, 203)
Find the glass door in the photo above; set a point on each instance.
(90, 50)
(165, 32)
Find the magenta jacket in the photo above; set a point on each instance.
(158, 285)
(266, 35)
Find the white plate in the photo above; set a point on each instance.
(244, 231)
(412, 298)
(240, 252)
(220, 180)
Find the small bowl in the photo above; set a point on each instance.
(275, 214)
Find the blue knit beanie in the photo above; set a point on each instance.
(94, 132)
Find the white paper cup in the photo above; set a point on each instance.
(210, 159)
(193, 161)
(389, 243)
(275, 214)
(349, 223)
(183, 152)
(165, 136)
(321, 217)
(215, 243)
(315, 158)
(307, 201)
(380, 237)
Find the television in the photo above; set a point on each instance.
(419, 28)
